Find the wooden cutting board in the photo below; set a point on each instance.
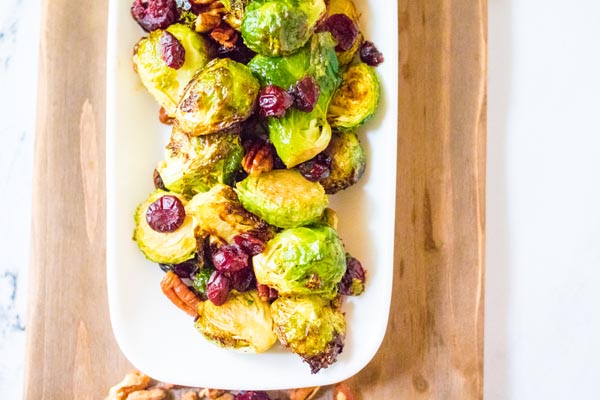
(434, 344)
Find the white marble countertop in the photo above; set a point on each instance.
(543, 245)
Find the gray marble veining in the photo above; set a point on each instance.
(19, 42)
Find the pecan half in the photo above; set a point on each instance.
(179, 294)
(303, 393)
(225, 35)
(258, 158)
(342, 391)
(132, 382)
(150, 394)
(210, 16)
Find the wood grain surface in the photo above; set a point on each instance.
(434, 345)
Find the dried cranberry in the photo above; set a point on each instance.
(252, 395)
(316, 169)
(171, 50)
(274, 101)
(306, 93)
(242, 280)
(343, 29)
(370, 55)
(230, 257)
(154, 14)
(186, 269)
(353, 281)
(166, 214)
(249, 244)
(218, 287)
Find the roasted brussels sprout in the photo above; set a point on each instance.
(281, 71)
(220, 96)
(301, 261)
(219, 213)
(348, 162)
(311, 328)
(346, 7)
(280, 27)
(329, 218)
(243, 322)
(282, 197)
(299, 136)
(197, 163)
(164, 247)
(356, 99)
(167, 84)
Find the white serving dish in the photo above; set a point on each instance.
(161, 340)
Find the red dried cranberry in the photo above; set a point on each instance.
(230, 257)
(218, 287)
(165, 214)
(353, 281)
(249, 244)
(343, 29)
(187, 268)
(316, 169)
(273, 101)
(154, 14)
(171, 50)
(306, 93)
(252, 395)
(370, 55)
(242, 280)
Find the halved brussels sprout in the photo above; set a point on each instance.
(302, 261)
(356, 99)
(299, 136)
(311, 328)
(219, 213)
(164, 247)
(164, 83)
(347, 8)
(220, 96)
(280, 27)
(348, 160)
(243, 322)
(197, 163)
(283, 198)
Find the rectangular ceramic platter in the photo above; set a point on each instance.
(161, 340)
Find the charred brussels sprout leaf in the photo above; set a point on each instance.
(311, 328)
(164, 83)
(283, 198)
(195, 164)
(220, 96)
(164, 247)
(219, 213)
(356, 99)
(280, 27)
(299, 136)
(348, 162)
(302, 261)
(243, 322)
